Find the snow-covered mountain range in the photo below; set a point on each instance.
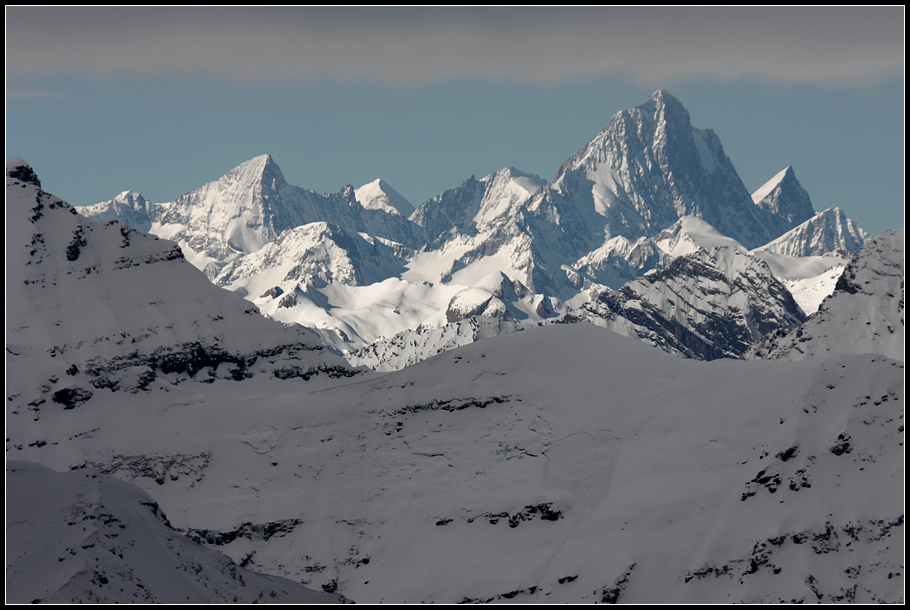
(561, 463)
(365, 270)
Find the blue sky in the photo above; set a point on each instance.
(163, 100)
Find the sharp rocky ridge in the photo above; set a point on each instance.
(359, 267)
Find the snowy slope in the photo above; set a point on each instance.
(808, 278)
(412, 346)
(83, 537)
(314, 254)
(690, 234)
(619, 261)
(559, 464)
(864, 314)
(379, 195)
(828, 231)
(811, 291)
(104, 308)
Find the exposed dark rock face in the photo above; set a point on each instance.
(611, 594)
(71, 398)
(250, 531)
(698, 309)
(24, 173)
(273, 292)
(772, 555)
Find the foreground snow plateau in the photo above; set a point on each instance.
(88, 538)
(487, 473)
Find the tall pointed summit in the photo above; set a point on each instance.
(235, 214)
(649, 167)
(784, 200)
(379, 195)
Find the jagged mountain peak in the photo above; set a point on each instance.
(664, 105)
(129, 207)
(476, 206)
(528, 181)
(640, 127)
(650, 166)
(518, 184)
(517, 173)
(656, 118)
(763, 191)
(663, 97)
(784, 200)
(379, 195)
(826, 231)
(258, 170)
(129, 197)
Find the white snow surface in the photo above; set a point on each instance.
(538, 466)
(827, 231)
(864, 314)
(85, 537)
(379, 195)
(689, 234)
(808, 278)
(647, 189)
(810, 292)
